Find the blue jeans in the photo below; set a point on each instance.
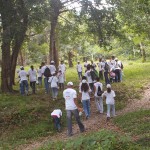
(24, 86)
(47, 89)
(99, 104)
(86, 107)
(109, 109)
(80, 75)
(56, 122)
(54, 92)
(75, 112)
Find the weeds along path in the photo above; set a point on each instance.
(94, 123)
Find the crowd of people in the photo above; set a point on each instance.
(54, 79)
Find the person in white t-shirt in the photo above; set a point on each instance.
(39, 71)
(70, 96)
(52, 67)
(101, 68)
(98, 88)
(85, 97)
(56, 115)
(62, 67)
(60, 76)
(32, 78)
(110, 101)
(53, 80)
(85, 65)
(93, 64)
(24, 83)
(79, 70)
(46, 84)
(89, 78)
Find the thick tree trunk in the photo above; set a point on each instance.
(70, 59)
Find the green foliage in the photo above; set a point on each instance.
(102, 140)
(136, 123)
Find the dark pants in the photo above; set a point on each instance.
(56, 121)
(40, 80)
(80, 75)
(24, 85)
(91, 86)
(106, 78)
(117, 77)
(61, 86)
(32, 85)
(75, 112)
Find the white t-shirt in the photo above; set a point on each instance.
(53, 80)
(113, 62)
(109, 97)
(57, 112)
(88, 76)
(23, 75)
(62, 67)
(69, 95)
(39, 72)
(85, 65)
(94, 65)
(60, 77)
(103, 65)
(79, 67)
(97, 84)
(32, 75)
(52, 68)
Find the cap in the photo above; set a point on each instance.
(108, 86)
(70, 83)
(78, 61)
(116, 58)
(52, 61)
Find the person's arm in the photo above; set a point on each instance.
(76, 103)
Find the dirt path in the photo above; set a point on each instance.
(94, 123)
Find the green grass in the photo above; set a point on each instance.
(25, 118)
(136, 124)
(101, 140)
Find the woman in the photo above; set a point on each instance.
(85, 97)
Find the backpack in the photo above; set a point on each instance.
(99, 92)
(94, 74)
(106, 67)
(47, 72)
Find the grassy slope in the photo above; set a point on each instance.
(26, 118)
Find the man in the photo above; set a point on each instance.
(70, 96)
(52, 67)
(79, 70)
(62, 67)
(24, 83)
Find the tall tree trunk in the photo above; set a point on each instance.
(70, 59)
(55, 55)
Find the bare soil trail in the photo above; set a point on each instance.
(94, 123)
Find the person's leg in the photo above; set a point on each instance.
(58, 123)
(22, 88)
(46, 85)
(113, 110)
(34, 84)
(88, 107)
(26, 86)
(85, 107)
(97, 103)
(91, 86)
(69, 122)
(76, 114)
(53, 92)
(108, 110)
(101, 105)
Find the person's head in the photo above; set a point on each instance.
(116, 59)
(108, 88)
(52, 62)
(40, 67)
(43, 64)
(62, 61)
(21, 68)
(83, 77)
(32, 67)
(97, 79)
(84, 86)
(88, 67)
(100, 59)
(112, 57)
(70, 84)
(78, 62)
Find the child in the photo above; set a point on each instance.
(56, 115)
(53, 80)
(61, 79)
(110, 101)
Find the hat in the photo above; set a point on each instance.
(83, 81)
(116, 58)
(21, 67)
(52, 61)
(78, 61)
(70, 83)
(108, 86)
